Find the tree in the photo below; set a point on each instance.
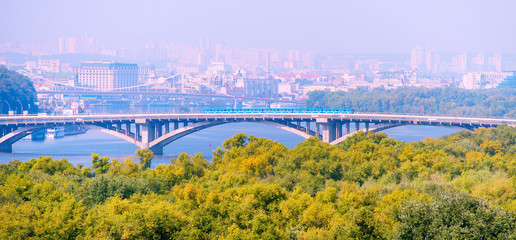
(448, 101)
(145, 157)
(455, 216)
(16, 90)
(238, 140)
(100, 165)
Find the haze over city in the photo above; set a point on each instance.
(321, 26)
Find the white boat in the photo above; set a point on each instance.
(57, 132)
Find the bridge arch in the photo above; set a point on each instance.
(384, 126)
(130, 138)
(7, 140)
(157, 144)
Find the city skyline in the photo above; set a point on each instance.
(327, 26)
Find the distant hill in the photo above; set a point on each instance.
(16, 90)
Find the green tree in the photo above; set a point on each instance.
(145, 157)
(16, 90)
(447, 101)
(455, 216)
(100, 165)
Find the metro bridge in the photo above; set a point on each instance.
(154, 131)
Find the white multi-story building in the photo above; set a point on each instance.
(265, 88)
(108, 76)
(146, 72)
(49, 65)
(482, 80)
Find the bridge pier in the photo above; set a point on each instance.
(150, 131)
(347, 127)
(329, 129)
(128, 129)
(6, 147)
(159, 130)
(5, 131)
(167, 127)
(137, 134)
(339, 129)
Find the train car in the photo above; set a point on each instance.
(279, 110)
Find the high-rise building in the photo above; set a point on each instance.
(78, 45)
(461, 63)
(308, 60)
(417, 58)
(495, 63)
(429, 61)
(477, 63)
(108, 76)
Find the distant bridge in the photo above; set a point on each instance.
(157, 93)
(154, 131)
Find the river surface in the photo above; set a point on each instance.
(78, 148)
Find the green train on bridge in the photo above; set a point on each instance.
(280, 110)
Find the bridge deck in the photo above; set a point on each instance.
(361, 117)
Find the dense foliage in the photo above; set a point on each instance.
(16, 90)
(369, 187)
(435, 101)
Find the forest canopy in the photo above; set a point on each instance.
(434, 101)
(462, 186)
(18, 91)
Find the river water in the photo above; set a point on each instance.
(78, 148)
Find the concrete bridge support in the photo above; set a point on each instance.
(339, 129)
(6, 147)
(330, 131)
(149, 131)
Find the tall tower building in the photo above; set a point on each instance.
(417, 58)
(308, 60)
(477, 63)
(461, 62)
(205, 44)
(429, 61)
(63, 45)
(495, 63)
(268, 64)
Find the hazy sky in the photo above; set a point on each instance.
(348, 26)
